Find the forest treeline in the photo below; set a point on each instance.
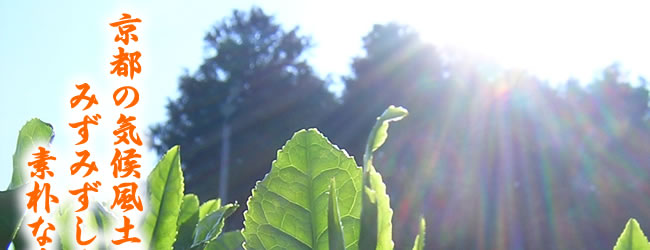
(493, 158)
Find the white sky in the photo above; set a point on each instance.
(48, 47)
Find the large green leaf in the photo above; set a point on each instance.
(33, 134)
(632, 238)
(376, 226)
(227, 241)
(419, 240)
(334, 225)
(165, 189)
(11, 215)
(187, 219)
(288, 208)
(209, 228)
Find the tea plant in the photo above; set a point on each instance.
(34, 133)
(632, 238)
(314, 197)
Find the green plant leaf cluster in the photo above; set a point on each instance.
(376, 225)
(172, 218)
(175, 220)
(33, 134)
(314, 197)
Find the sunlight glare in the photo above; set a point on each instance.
(554, 39)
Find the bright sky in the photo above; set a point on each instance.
(48, 47)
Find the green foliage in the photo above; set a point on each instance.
(314, 197)
(632, 238)
(369, 225)
(379, 132)
(100, 220)
(187, 220)
(334, 225)
(177, 219)
(33, 134)
(103, 221)
(169, 212)
(165, 188)
(376, 205)
(209, 207)
(209, 228)
(11, 215)
(22, 239)
(288, 208)
(309, 200)
(63, 218)
(227, 241)
(376, 226)
(419, 240)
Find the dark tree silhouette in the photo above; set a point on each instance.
(252, 92)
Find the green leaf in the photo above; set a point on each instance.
(288, 208)
(227, 241)
(102, 220)
(22, 238)
(368, 232)
(379, 132)
(334, 225)
(187, 219)
(632, 238)
(384, 212)
(165, 189)
(11, 215)
(63, 218)
(33, 134)
(419, 240)
(376, 214)
(209, 228)
(209, 207)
